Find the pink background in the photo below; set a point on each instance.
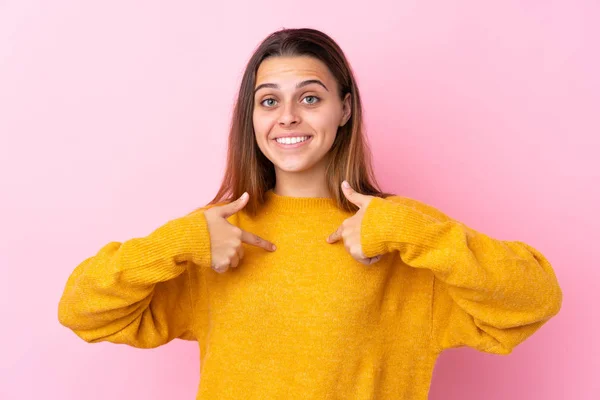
(114, 116)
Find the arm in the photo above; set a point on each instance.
(487, 294)
(138, 292)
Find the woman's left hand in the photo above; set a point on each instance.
(349, 231)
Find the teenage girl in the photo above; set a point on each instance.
(301, 279)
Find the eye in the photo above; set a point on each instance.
(270, 104)
(314, 99)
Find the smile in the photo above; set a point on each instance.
(293, 142)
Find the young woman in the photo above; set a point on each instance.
(364, 289)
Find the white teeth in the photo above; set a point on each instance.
(293, 140)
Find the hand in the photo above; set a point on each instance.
(226, 239)
(350, 228)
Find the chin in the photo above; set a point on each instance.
(293, 166)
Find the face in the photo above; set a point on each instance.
(297, 98)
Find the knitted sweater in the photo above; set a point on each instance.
(308, 321)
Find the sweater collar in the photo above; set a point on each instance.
(278, 203)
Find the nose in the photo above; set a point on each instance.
(288, 116)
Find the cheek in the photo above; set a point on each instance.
(324, 122)
(262, 124)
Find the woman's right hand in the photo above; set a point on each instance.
(226, 239)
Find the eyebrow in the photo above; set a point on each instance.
(298, 86)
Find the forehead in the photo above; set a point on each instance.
(275, 69)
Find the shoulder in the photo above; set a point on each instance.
(420, 206)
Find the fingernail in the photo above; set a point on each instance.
(273, 247)
(345, 184)
(244, 195)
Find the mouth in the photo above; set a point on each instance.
(293, 144)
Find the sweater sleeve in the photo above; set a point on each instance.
(138, 292)
(487, 294)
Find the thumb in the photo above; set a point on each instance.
(229, 209)
(353, 196)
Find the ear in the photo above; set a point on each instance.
(346, 109)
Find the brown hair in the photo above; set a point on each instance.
(248, 170)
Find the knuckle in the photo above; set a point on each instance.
(220, 268)
(220, 262)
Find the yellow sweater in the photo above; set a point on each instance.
(307, 321)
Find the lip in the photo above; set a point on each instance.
(293, 146)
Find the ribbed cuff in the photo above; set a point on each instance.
(189, 238)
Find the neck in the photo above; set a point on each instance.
(309, 183)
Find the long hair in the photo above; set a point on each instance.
(248, 170)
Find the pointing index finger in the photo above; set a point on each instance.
(335, 236)
(256, 240)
